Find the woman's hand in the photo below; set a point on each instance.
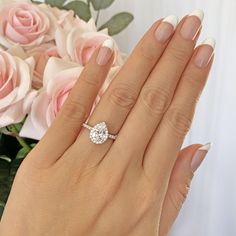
(70, 186)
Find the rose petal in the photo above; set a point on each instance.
(30, 131)
(60, 37)
(38, 111)
(25, 78)
(16, 37)
(54, 66)
(18, 51)
(28, 100)
(13, 114)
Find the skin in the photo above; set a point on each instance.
(134, 186)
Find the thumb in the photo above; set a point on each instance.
(188, 161)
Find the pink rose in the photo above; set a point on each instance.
(15, 89)
(25, 24)
(59, 78)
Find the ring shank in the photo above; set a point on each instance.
(85, 125)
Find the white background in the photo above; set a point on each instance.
(211, 207)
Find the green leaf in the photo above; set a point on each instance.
(5, 164)
(18, 126)
(101, 4)
(80, 8)
(23, 152)
(33, 145)
(5, 189)
(118, 23)
(2, 205)
(4, 130)
(5, 158)
(15, 164)
(55, 3)
(36, 2)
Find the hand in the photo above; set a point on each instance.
(69, 186)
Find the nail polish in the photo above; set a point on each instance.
(166, 29)
(199, 156)
(105, 52)
(199, 13)
(205, 53)
(192, 25)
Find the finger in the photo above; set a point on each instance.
(159, 89)
(187, 163)
(176, 122)
(66, 127)
(123, 92)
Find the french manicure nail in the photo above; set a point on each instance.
(166, 28)
(192, 25)
(199, 156)
(205, 53)
(105, 52)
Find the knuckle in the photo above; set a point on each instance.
(123, 96)
(179, 54)
(91, 80)
(179, 121)
(147, 53)
(156, 100)
(195, 82)
(74, 111)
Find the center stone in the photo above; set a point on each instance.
(99, 133)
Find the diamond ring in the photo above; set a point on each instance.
(99, 133)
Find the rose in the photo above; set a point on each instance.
(16, 94)
(26, 24)
(59, 78)
(79, 43)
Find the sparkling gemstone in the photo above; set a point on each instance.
(99, 133)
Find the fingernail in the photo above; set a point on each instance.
(199, 156)
(105, 52)
(205, 53)
(192, 25)
(166, 28)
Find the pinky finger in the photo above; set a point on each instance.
(188, 161)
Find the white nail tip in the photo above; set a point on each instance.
(210, 41)
(108, 43)
(172, 19)
(198, 13)
(206, 147)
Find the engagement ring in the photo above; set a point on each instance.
(99, 133)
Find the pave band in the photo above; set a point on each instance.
(99, 133)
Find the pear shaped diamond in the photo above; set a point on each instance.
(99, 133)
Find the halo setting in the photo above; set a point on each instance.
(99, 133)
